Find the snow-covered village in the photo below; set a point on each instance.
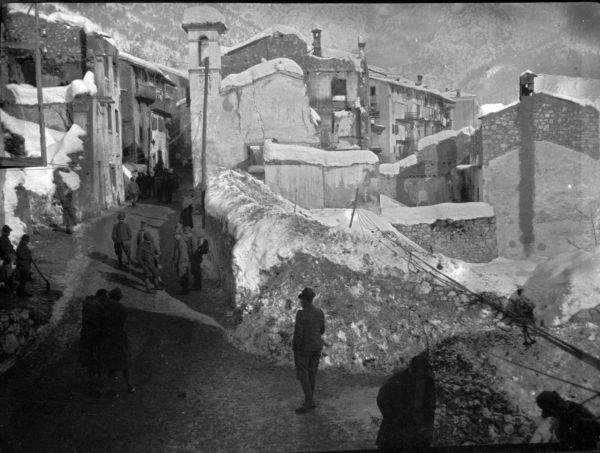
(239, 227)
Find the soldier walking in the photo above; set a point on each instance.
(147, 255)
(121, 236)
(308, 344)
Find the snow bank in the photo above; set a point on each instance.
(297, 154)
(274, 29)
(30, 131)
(394, 168)
(434, 139)
(429, 214)
(26, 94)
(283, 65)
(71, 179)
(486, 109)
(564, 285)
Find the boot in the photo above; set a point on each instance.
(147, 283)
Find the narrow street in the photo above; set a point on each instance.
(195, 392)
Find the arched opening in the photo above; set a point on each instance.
(202, 50)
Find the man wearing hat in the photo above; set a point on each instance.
(307, 344)
(147, 255)
(573, 423)
(6, 248)
(24, 260)
(121, 236)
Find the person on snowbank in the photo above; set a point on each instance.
(308, 344)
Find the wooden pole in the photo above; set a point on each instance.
(203, 156)
(38, 82)
(354, 208)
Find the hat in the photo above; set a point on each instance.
(547, 401)
(120, 216)
(307, 293)
(6, 229)
(147, 236)
(115, 294)
(25, 238)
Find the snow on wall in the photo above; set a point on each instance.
(27, 94)
(276, 152)
(259, 71)
(434, 139)
(429, 214)
(564, 285)
(314, 117)
(30, 132)
(394, 168)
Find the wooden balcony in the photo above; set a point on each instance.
(146, 91)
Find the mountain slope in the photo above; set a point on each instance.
(481, 48)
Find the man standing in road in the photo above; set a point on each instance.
(181, 259)
(121, 236)
(24, 260)
(133, 191)
(69, 218)
(308, 344)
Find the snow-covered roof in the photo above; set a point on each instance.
(141, 63)
(434, 139)
(328, 52)
(576, 87)
(528, 72)
(26, 94)
(181, 102)
(270, 31)
(429, 214)
(258, 71)
(169, 70)
(202, 15)
(466, 166)
(393, 169)
(463, 94)
(299, 155)
(410, 84)
(378, 69)
(486, 109)
(581, 102)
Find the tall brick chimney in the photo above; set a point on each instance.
(317, 42)
(419, 80)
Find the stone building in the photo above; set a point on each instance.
(402, 112)
(74, 56)
(267, 100)
(147, 104)
(337, 81)
(540, 167)
(466, 109)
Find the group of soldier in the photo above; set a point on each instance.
(188, 252)
(15, 271)
(161, 185)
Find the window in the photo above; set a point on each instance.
(105, 64)
(202, 50)
(373, 91)
(109, 119)
(338, 87)
(141, 137)
(154, 123)
(117, 126)
(161, 125)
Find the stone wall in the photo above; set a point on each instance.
(555, 120)
(17, 329)
(472, 240)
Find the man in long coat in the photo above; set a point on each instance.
(181, 260)
(308, 344)
(147, 255)
(69, 218)
(6, 248)
(407, 403)
(113, 345)
(24, 260)
(121, 236)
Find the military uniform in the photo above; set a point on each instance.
(121, 236)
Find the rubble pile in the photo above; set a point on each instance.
(471, 408)
(17, 329)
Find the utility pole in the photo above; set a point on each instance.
(203, 155)
(38, 82)
(354, 208)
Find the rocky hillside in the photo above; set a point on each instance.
(481, 48)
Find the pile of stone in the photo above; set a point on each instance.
(471, 407)
(17, 329)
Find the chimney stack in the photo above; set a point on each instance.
(361, 46)
(317, 42)
(526, 84)
(458, 92)
(419, 80)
